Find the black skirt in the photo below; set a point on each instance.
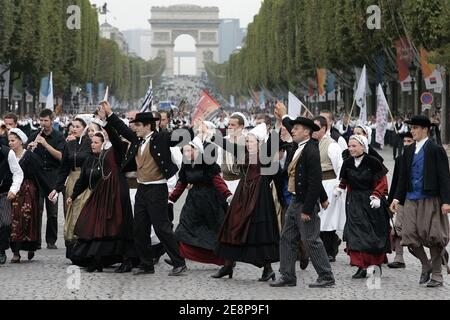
(262, 245)
(201, 217)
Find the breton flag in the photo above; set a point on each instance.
(360, 96)
(49, 104)
(148, 100)
(382, 116)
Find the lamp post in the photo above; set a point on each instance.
(2, 84)
(412, 73)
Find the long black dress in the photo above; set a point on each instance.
(366, 229)
(25, 209)
(104, 227)
(203, 212)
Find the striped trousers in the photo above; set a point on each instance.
(294, 230)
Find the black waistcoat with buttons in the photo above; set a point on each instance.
(160, 144)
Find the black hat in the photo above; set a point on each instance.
(305, 122)
(406, 135)
(145, 117)
(422, 121)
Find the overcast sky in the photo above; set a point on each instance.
(134, 14)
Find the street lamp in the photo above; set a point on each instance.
(2, 84)
(412, 73)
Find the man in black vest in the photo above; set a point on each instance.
(424, 191)
(151, 206)
(302, 220)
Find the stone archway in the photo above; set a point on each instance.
(201, 23)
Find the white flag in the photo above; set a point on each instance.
(382, 116)
(360, 96)
(294, 106)
(49, 103)
(105, 98)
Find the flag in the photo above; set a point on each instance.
(405, 55)
(431, 74)
(89, 92)
(106, 97)
(148, 100)
(294, 106)
(321, 84)
(360, 96)
(382, 116)
(101, 90)
(206, 107)
(49, 102)
(232, 102)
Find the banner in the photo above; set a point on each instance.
(89, 92)
(331, 86)
(321, 84)
(382, 116)
(101, 90)
(232, 102)
(49, 104)
(405, 55)
(43, 91)
(205, 108)
(431, 74)
(360, 96)
(294, 106)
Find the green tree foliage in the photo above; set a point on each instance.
(289, 39)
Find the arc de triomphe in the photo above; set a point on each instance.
(202, 23)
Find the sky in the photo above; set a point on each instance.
(134, 14)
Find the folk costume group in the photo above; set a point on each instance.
(239, 207)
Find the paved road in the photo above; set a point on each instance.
(47, 277)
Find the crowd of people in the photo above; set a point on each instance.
(261, 189)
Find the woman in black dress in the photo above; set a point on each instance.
(250, 231)
(25, 209)
(204, 210)
(74, 155)
(367, 227)
(104, 228)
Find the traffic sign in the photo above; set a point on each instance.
(427, 98)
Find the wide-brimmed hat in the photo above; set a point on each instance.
(305, 122)
(422, 121)
(145, 117)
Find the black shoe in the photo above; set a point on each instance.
(141, 271)
(266, 276)
(304, 264)
(425, 277)
(396, 265)
(178, 271)
(322, 283)
(38, 247)
(30, 255)
(434, 284)
(2, 258)
(94, 267)
(52, 246)
(360, 274)
(224, 271)
(169, 262)
(283, 283)
(124, 267)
